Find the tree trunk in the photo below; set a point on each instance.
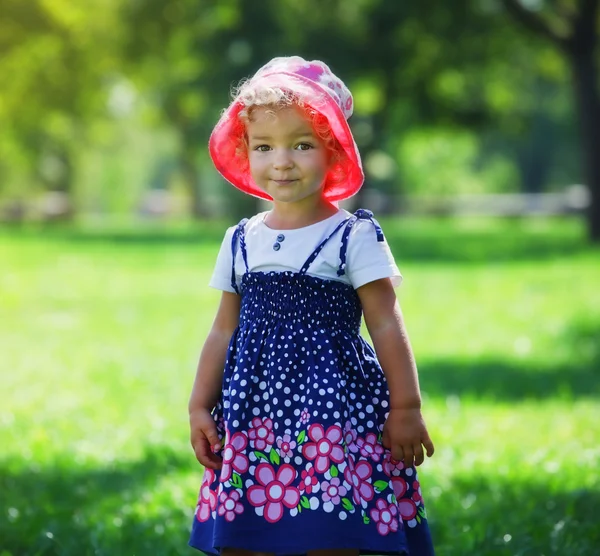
(59, 200)
(587, 100)
(580, 48)
(191, 177)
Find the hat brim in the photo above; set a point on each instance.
(224, 141)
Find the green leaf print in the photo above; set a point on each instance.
(422, 512)
(347, 504)
(236, 480)
(380, 486)
(418, 518)
(366, 520)
(260, 455)
(301, 437)
(333, 470)
(299, 508)
(274, 457)
(305, 503)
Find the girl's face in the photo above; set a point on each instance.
(287, 159)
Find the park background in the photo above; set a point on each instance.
(478, 123)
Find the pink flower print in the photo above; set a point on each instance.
(348, 105)
(304, 416)
(386, 517)
(369, 447)
(312, 71)
(229, 505)
(408, 509)
(308, 481)
(274, 491)
(350, 438)
(416, 495)
(358, 476)
(286, 446)
(325, 446)
(392, 467)
(233, 458)
(261, 433)
(399, 486)
(208, 498)
(333, 491)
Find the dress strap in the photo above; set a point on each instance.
(360, 214)
(314, 254)
(238, 234)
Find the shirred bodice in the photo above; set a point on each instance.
(289, 298)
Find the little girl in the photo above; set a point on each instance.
(309, 437)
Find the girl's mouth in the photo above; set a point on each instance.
(284, 182)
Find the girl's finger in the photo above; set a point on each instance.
(213, 438)
(409, 456)
(385, 439)
(205, 455)
(426, 441)
(397, 453)
(419, 455)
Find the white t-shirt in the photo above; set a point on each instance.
(366, 258)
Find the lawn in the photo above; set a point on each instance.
(100, 330)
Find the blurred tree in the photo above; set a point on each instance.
(437, 65)
(55, 58)
(573, 27)
(394, 55)
(187, 55)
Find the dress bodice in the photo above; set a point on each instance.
(294, 300)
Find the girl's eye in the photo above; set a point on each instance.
(262, 148)
(304, 146)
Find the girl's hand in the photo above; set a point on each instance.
(405, 435)
(204, 438)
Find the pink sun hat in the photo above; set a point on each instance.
(316, 86)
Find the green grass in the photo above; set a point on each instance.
(100, 330)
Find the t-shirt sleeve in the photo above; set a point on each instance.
(221, 277)
(367, 259)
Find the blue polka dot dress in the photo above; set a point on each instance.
(301, 414)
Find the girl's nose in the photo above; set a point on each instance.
(282, 160)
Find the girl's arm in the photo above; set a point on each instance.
(404, 432)
(209, 377)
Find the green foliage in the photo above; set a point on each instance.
(449, 161)
(101, 341)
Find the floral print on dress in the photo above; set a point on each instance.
(286, 447)
(233, 456)
(274, 491)
(208, 498)
(358, 475)
(385, 516)
(261, 433)
(229, 505)
(325, 447)
(333, 492)
(369, 447)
